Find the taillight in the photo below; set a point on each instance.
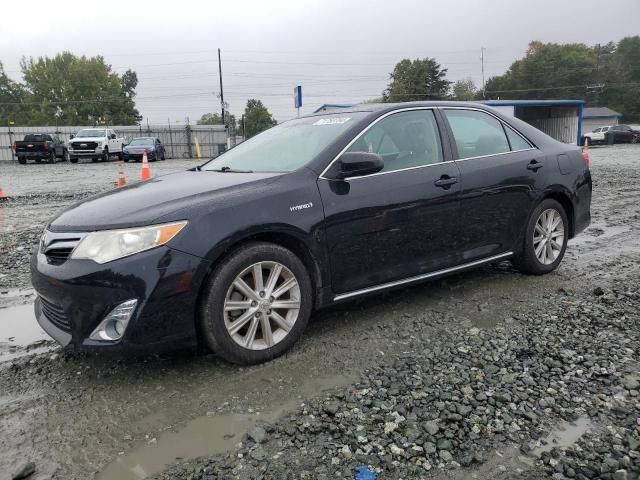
(585, 157)
(46, 146)
(14, 147)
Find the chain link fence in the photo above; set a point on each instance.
(179, 141)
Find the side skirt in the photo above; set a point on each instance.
(437, 273)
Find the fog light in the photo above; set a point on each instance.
(113, 326)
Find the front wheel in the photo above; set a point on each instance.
(22, 160)
(65, 156)
(73, 159)
(545, 239)
(105, 156)
(257, 304)
(52, 157)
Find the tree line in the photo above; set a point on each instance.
(68, 90)
(602, 75)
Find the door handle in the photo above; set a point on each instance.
(445, 181)
(534, 165)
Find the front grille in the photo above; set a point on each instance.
(55, 315)
(84, 145)
(57, 247)
(57, 256)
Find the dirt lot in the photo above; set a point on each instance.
(490, 374)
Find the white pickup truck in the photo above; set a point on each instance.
(96, 144)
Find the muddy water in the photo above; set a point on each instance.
(564, 435)
(20, 333)
(206, 435)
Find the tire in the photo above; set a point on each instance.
(65, 155)
(105, 155)
(52, 157)
(126, 160)
(120, 156)
(162, 157)
(94, 159)
(22, 160)
(547, 260)
(38, 160)
(73, 159)
(214, 321)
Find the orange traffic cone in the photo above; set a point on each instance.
(1, 193)
(145, 172)
(122, 181)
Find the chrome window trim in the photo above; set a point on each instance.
(408, 109)
(424, 276)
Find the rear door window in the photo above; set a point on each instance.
(516, 141)
(476, 133)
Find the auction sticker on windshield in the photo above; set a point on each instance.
(332, 121)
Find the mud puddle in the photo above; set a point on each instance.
(565, 435)
(208, 435)
(20, 333)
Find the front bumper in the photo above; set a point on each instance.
(137, 156)
(87, 153)
(74, 297)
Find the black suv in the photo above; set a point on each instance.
(238, 252)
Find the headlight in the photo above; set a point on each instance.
(108, 245)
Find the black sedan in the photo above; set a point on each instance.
(237, 253)
(621, 134)
(138, 146)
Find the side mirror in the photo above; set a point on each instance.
(71, 137)
(355, 164)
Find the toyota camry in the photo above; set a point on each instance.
(237, 253)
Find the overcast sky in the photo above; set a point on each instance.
(340, 51)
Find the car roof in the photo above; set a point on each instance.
(377, 107)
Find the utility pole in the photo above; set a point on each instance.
(597, 100)
(482, 63)
(221, 91)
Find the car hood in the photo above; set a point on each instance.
(142, 203)
(87, 139)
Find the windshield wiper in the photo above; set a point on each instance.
(227, 169)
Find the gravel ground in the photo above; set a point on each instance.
(490, 374)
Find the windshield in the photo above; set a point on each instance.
(142, 141)
(286, 147)
(91, 133)
(36, 137)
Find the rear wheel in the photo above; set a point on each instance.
(545, 239)
(52, 157)
(22, 160)
(257, 305)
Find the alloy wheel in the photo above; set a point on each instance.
(262, 305)
(548, 236)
